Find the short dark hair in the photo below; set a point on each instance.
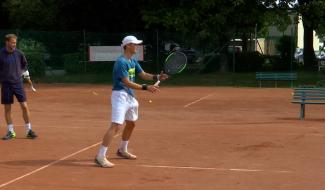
(9, 36)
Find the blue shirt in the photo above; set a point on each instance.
(125, 68)
(12, 65)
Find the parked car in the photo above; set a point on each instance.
(190, 53)
(320, 55)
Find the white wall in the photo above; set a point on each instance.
(300, 37)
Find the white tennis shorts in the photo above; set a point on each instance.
(124, 107)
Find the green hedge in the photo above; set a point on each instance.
(36, 65)
(99, 67)
(72, 63)
(211, 62)
(249, 61)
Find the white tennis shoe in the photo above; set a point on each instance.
(126, 155)
(103, 162)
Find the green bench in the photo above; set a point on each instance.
(305, 96)
(273, 76)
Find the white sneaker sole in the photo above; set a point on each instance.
(126, 155)
(104, 165)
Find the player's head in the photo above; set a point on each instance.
(11, 41)
(130, 43)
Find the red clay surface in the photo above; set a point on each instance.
(187, 138)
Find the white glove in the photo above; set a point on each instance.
(26, 75)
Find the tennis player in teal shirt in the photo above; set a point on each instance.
(124, 104)
(125, 68)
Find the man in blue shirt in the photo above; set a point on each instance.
(12, 64)
(124, 104)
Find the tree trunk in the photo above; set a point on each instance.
(309, 53)
(244, 43)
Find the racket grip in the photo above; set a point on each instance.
(157, 83)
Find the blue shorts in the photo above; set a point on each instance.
(9, 90)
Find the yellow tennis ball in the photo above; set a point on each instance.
(150, 101)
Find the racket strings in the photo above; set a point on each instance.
(175, 63)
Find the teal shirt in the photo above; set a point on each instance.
(125, 68)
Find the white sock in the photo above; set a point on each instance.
(28, 126)
(10, 127)
(102, 151)
(124, 146)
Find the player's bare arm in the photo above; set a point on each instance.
(147, 76)
(130, 84)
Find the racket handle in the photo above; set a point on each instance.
(157, 83)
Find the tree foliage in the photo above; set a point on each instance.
(213, 21)
(312, 12)
(228, 19)
(95, 15)
(32, 13)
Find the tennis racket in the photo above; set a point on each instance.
(174, 64)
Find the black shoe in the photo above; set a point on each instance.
(31, 134)
(9, 135)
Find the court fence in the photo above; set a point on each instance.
(58, 52)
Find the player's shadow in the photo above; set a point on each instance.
(52, 163)
(250, 123)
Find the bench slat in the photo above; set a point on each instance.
(275, 76)
(300, 102)
(315, 98)
(272, 76)
(312, 89)
(309, 95)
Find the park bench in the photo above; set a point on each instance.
(305, 96)
(273, 76)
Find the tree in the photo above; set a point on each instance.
(246, 17)
(226, 19)
(95, 15)
(101, 15)
(212, 21)
(4, 17)
(32, 14)
(310, 11)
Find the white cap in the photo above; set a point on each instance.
(130, 40)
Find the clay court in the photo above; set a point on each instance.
(187, 138)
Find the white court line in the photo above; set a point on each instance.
(51, 164)
(216, 169)
(48, 165)
(147, 166)
(194, 168)
(198, 100)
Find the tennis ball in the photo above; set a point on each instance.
(150, 101)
